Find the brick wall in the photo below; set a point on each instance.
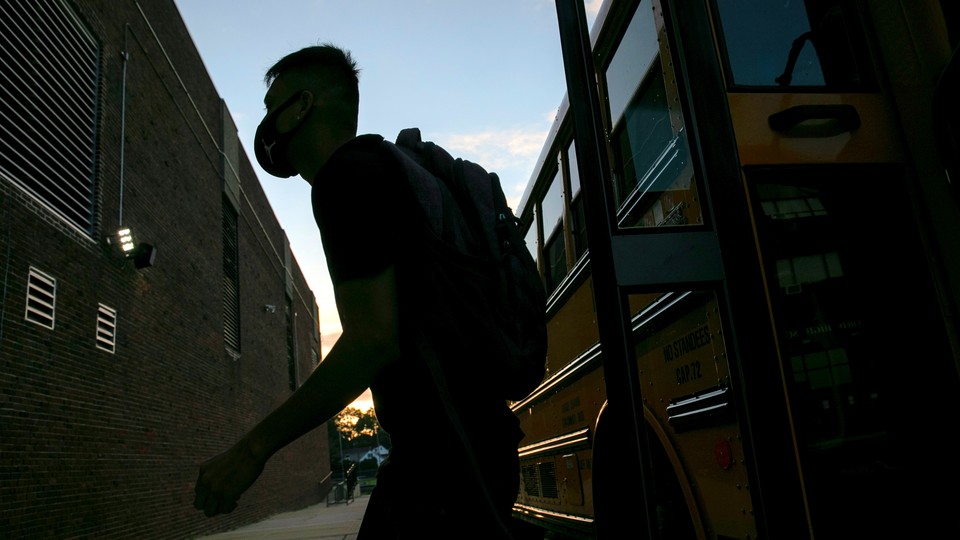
(106, 445)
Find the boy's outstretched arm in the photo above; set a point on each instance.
(370, 340)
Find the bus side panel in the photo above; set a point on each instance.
(556, 456)
(572, 329)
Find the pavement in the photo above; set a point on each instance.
(340, 521)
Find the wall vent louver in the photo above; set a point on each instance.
(41, 299)
(106, 328)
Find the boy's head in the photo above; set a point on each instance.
(325, 69)
(316, 87)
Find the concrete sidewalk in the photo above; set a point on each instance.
(339, 521)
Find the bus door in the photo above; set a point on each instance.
(862, 349)
(668, 455)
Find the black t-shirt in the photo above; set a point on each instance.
(368, 221)
(355, 204)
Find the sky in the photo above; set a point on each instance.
(481, 78)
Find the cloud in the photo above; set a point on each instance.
(329, 334)
(592, 7)
(512, 153)
(497, 149)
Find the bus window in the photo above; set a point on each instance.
(811, 43)
(578, 227)
(554, 249)
(634, 57)
(641, 136)
(653, 178)
(531, 238)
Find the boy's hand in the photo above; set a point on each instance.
(224, 478)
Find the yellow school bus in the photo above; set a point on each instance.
(747, 220)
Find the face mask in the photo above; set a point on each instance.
(270, 146)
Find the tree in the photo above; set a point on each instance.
(354, 428)
(346, 422)
(360, 429)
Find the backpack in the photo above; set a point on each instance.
(465, 207)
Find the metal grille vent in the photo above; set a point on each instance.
(41, 298)
(231, 280)
(548, 480)
(106, 328)
(540, 480)
(531, 486)
(292, 347)
(49, 66)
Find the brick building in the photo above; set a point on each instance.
(120, 373)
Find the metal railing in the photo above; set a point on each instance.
(344, 491)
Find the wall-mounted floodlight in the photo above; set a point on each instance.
(143, 254)
(125, 240)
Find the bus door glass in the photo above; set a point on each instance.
(852, 305)
(794, 44)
